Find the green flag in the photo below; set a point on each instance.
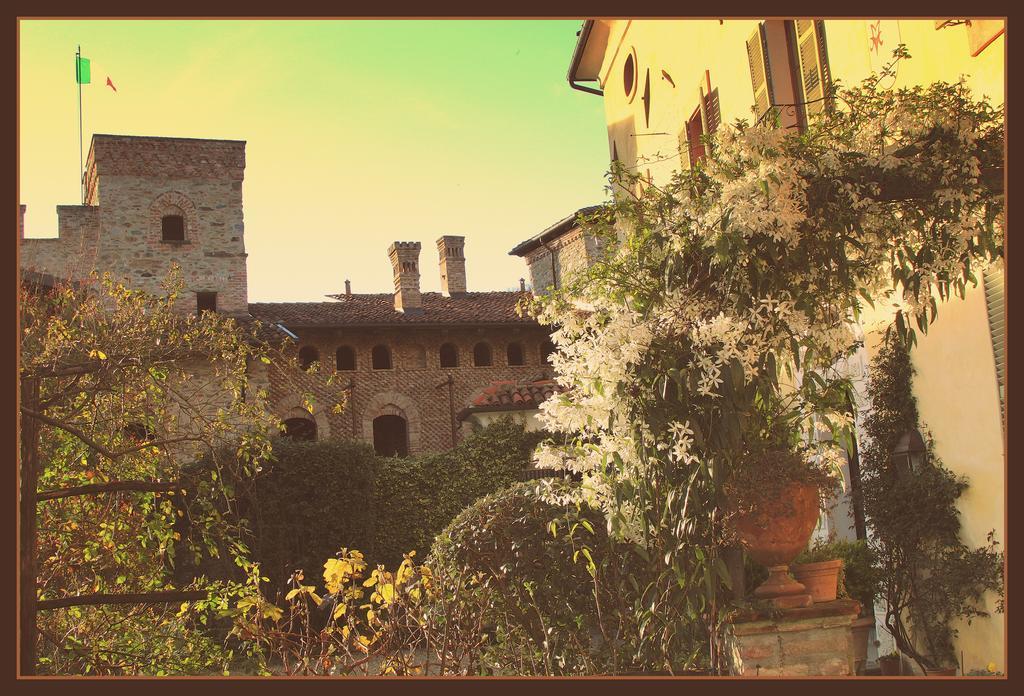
(82, 73)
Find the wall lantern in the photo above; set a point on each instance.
(908, 455)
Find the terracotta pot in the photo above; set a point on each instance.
(820, 579)
(861, 630)
(890, 665)
(774, 532)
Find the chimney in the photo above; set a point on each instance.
(405, 261)
(21, 222)
(453, 265)
(348, 287)
(522, 285)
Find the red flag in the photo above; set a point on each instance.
(111, 85)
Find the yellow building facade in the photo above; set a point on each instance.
(664, 83)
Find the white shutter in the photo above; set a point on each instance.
(996, 305)
(760, 72)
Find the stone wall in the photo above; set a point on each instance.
(572, 252)
(131, 184)
(414, 388)
(811, 641)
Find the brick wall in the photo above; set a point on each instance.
(408, 389)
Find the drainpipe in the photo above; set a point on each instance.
(577, 56)
(554, 270)
(351, 389)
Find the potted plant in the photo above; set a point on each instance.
(890, 664)
(818, 569)
(774, 499)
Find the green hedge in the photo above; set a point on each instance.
(314, 498)
(418, 496)
(317, 497)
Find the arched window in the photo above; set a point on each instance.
(173, 228)
(390, 436)
(546, 349)
(345, 358)
(449, 355)
(300, 429)
(482, 355)
(381, 358)
(514, 352)
(307, 356)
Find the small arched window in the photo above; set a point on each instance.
(307, 356)
(381, 358)
(546, 349)
(514, 352)
(172, 228)
(449, 355)
(482, 355)
(345, 358)
(300, 429)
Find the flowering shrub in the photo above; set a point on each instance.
(724, 306)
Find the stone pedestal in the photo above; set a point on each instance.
(802, 642)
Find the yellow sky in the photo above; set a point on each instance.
(359, 133)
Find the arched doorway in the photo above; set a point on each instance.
(300, 429)
(390, 436)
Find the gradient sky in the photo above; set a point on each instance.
(359, 132)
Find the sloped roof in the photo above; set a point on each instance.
(378, 309)
(553, 232)
(509, 395)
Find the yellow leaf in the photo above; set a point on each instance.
(339, 611)
(370, 616)
(370, 581)
(387, 593)
(288, 597)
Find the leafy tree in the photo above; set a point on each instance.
(137, 419)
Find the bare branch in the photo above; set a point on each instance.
(136, 598)
(113, 487)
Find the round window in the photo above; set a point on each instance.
(629, 75)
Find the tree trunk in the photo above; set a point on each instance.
(27, 530)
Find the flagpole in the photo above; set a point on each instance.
(81, 163)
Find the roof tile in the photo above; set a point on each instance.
(379, 310)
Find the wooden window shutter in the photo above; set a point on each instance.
(694, 131)
(684, 148)
(995, 303)
(760, 72)
(812, 54)
(712, 111)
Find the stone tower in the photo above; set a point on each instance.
(405, 262)
(452, 260)
(152, 202)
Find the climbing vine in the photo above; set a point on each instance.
(929, 577)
